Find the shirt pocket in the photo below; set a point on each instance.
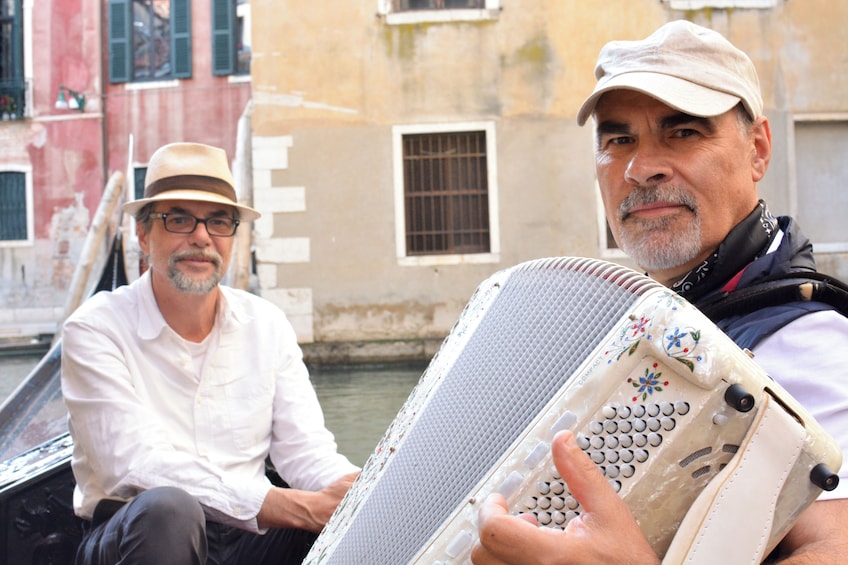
(250, 402)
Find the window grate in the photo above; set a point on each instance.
(406, 5)
(446, 193)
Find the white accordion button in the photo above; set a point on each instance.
(511, 484)
(458, 544)
(565, 422)
(537, 455)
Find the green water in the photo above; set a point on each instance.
(359, 402)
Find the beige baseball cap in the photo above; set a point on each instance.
(688, 67)
(190, 171)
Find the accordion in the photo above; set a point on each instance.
(713, 457)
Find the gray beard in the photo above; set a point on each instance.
(649, 242)
(185, 283)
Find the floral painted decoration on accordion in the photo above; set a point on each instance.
(650, 383)
(678, 342)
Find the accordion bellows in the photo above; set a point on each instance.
(712, 456)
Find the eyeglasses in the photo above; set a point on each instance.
(185, 223)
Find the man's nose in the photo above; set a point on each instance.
(201, 234)
(648, 165)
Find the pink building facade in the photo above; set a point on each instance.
(158, 71)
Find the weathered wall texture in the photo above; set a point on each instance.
(61, 152)
(330, 83)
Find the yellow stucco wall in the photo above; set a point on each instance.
(334, 80)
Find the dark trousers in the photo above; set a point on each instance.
(167, 526)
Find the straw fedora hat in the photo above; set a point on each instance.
(190, 171)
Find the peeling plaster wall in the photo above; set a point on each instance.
(61, 153)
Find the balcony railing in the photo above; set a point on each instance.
(12, 100)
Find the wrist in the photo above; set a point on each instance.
(288, 508)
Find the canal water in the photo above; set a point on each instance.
(359, 402)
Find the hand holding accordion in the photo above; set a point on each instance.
(707, 451)
(508, 540)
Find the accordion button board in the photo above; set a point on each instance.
(679, 419)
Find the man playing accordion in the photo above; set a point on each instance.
(681, 143)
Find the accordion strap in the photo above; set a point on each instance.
(780, 289)
(749, 486)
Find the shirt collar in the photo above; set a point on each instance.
(151, 323)
(231, 313)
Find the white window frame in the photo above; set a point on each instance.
(490, 11)
(404, 260)
(30, 214)
(152, 85)
(722, 4)
(27, 6)
(243, 11)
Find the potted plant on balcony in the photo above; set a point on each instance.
(8, 107)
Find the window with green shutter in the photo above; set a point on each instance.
(12, 85)
(13, 212)
(139, 173)
(181, 38)
(230, 37)
(149, 40)
(223, 37)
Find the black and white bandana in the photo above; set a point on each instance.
(748, 240)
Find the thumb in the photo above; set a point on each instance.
(584, 479)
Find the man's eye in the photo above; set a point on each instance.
(180, 220)
(685, 132)
(219, 222)
(620, 140)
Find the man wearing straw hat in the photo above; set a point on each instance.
(680, 144)
(179, 389)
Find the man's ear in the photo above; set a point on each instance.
(760, 134)
(142, 233)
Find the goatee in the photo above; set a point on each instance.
(657, 244)
(189, 284)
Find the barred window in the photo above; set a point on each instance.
(723, 4)
(403, 5)
(404, 12)
(446, 197)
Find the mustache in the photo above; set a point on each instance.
(647, 195)
(197, 255)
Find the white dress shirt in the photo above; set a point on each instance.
(143, 416)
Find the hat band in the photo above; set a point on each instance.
(191, 182)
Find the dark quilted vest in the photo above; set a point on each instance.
(795, 254)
